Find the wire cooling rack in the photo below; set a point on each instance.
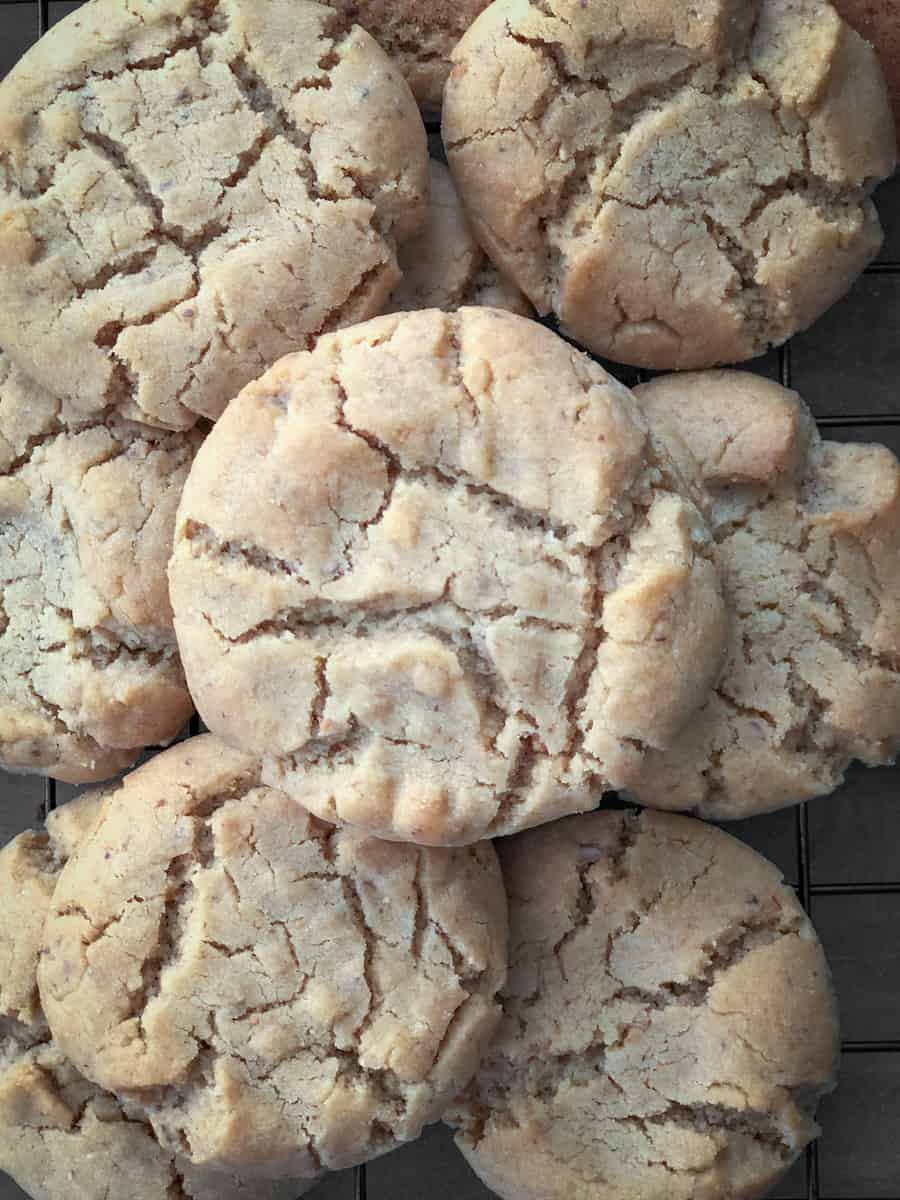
(841, 853)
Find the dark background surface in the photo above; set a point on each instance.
(842, 852)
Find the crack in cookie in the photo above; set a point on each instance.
(806, 533)
(270, 991)
(687, 187)
(192, 200)
(475, 612)
(668, 1021)
(59, 1133)
(88, 657)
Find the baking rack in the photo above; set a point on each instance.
(860, 337)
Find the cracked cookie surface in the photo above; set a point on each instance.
(274, 992)
(444, 267)
(669, 1022)
(680, 185)
(419, 35)
(60, 1135)
(464, 590)
(88, 660)
(190, 189)
(808, 542)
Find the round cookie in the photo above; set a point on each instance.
(88, 660)
(191, 189)
(60, 1136)
(808, 542)
(419, 35)
(444, 267)
(669, 1023)
(879, 22)
(682, 185)
(277, 994)
(464, 590)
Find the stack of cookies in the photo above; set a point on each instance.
(281, 440)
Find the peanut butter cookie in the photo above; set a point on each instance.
(808, 542)
(190, 189)
(440, 574)
(89, 667)
(280, 996)
(668, 1025)
(60, 1135)
(681, 184)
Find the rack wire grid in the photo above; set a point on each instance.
(842, 853)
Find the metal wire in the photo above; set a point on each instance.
(807, 890)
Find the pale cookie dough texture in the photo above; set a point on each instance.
(190, 189)
(280, 996)
(681, 184)
(808, 544)
(441, 575)
(444, 267)
(419, 35)
(89, 666)
(879, 22)
(60, 1136)
(669, 1022)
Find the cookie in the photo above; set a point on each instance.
(808, 542)
(276, 993)
(29, 868)
(879, 22)
(487, 597)
(60, 1136)
(190, 189)
(89, 667)
(668, 1025)
(680, 185)
(444, 267)
(419, 35)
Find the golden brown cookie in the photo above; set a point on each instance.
(668, 1025)
(278, 995)
(60, 1136)
(879, 22)
(192, 188)
(419, 35)
(808, 542)
(89, 668)
(444, 267)
(442, 576)
(682, 185)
